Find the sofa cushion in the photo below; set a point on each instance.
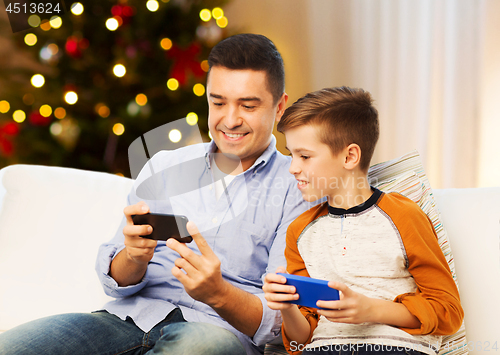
(406, 176)
(52, 221)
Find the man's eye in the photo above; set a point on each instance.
(248, 107)
(218, 103)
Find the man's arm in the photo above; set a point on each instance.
(130, 265)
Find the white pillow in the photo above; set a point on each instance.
(52, 222)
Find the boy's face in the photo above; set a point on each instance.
(319, 173)
(241, 112)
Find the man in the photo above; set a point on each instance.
(204, 297)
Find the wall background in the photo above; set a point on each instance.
(432, 66)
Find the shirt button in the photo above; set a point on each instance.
(214, 220)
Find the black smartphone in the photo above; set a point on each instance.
(164, 226)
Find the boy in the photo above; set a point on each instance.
(380, 250)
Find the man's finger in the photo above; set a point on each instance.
(138, 208)
(199, 240)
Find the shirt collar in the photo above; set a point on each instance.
(359, 208)
(263, 159)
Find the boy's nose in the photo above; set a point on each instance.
(294, 168)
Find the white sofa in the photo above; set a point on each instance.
(52, 221)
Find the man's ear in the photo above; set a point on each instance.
(281, 106)
(352, 156)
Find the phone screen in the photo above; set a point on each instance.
(164, 226)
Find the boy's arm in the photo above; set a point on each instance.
(436, 302)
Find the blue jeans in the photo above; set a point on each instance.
(361, 349)
(102, 333)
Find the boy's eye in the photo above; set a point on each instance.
(304, 157)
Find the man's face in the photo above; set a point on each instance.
(241, 112)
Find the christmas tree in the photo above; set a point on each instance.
(106, 72)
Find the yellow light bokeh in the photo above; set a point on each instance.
(119, 70)
(37, 80)
(77, 8)
(222, 22)
(45, 110)
(53, 48)
(45, 25)
(60, 113)
(118, 129)
(56, 128)
(217, 13)
(191, 118)
(199, 89)
(173, 84)
(30, 39)
(166, 43)
(71, 97)
(34, 20)
(152, 5)
(141, 99)
(175, 135)
(112, 24)
(103, 111)
(205, 15)
(204, 66)
(55, 22)
(19, 116)
(4, 106)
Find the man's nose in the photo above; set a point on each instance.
(233, 118)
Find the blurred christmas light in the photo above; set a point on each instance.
(222, 22)
(152, 5)
(118, 129)
(60, 113)
(102, 110)
(133, 109)
(45, 110)
(19, 116)
(53, 48)
(217, 13)
(30, 39)
(119, 70)
(204, 66)
(77, 9)
(37, 80)
(28, 99)
(173, 84)
(111, 24)
(4, 106)
(166, 43)
(45, 25)
(198, 89)
(34, 20)
(191, 118)
(205, 15)
(55, 22)
(141, 99)
(71, 97)
(175, 135)
(56, 128)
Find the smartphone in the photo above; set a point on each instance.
(310, 290)
(164, 226)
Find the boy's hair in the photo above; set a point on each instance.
(345, 116)
(251, 51)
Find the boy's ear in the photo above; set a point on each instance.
(352, 156)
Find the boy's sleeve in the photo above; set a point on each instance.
(296, 266)
(436, 303)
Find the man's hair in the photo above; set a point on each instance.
(251, 51)
(343, 116)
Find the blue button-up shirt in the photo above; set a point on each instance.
(245, 227)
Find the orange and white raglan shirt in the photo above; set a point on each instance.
(385, 248)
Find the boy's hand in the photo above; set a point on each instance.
(276, 292)
(352, 307)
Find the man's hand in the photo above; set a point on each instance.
(130, 265)
(139, 250)
(276, 292)
(199, 274)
